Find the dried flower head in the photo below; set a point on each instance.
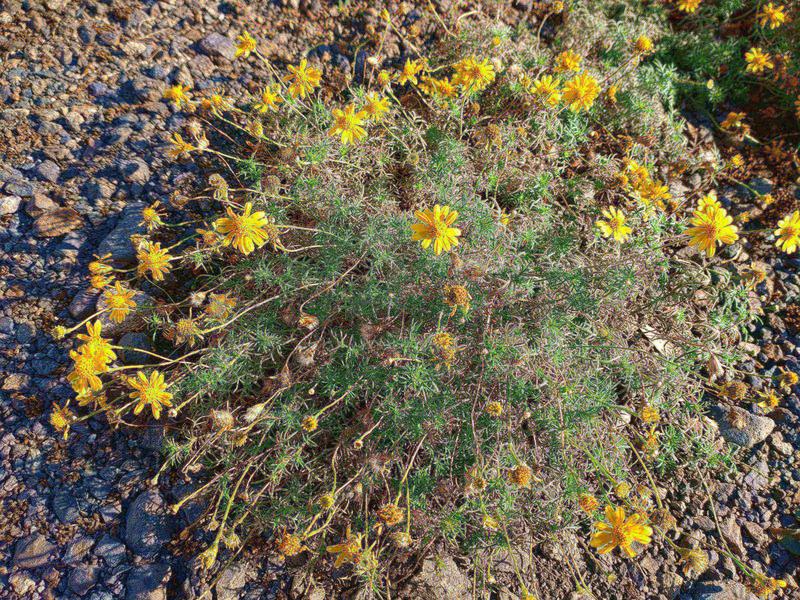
(390, 514)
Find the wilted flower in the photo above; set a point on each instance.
(694, 561)
(178, 94)
(61, 417)
(494, 409)
(390, 514)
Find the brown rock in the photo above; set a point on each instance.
(57, 222)
(440, 579)
(38, 205)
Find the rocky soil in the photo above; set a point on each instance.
(82, 131)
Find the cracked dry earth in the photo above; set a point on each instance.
(82, 130)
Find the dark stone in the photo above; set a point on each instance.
(148, 525)
(65, 506)
(111, 550)
(148, 582)
(118, 242)
(33, 551)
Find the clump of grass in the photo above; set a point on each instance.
(445, 309)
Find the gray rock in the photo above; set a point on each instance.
(721, 590)
(65, 506)
(742, 427)
(118, 242)
(82, 579)
(111, 550)
(48, 170)
(83, 304)
(147, 527)
(77, 549)
(440, 579)
(57, 222)
(215, 44)
(9, 205)
(231, 581)
(148, 582)
(38, 205)
(134, 171)
(135, 340)
(33, 551)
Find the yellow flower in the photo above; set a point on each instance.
(186, 330)
(771, 399)
(494, 409)
(219, 306)
(303, 79)
(618, 532)
(688, 6)
(180, 147)
(708, 202)
(772, 15)
(568, 61)
(588, 503)
(580, 92)
(457, 296)
(521, 476)
(153, 258)
(178, 94)
(693, 561)
(100, 266)
(390, 514)
(643, 44)
(100, 281)
(348, 122)
(348, 550)
(310, 423)
(758, 61)
(649, 415)
(473, 75)
(384, 78)
(546, 88)
(120, 301)
(733, 120)
(737, 161)
(245, 44)
(289, 544)
(152, 216)
(95, 345)
(216, 101)
(152, 391)
(788, 379)
(788, 233)
(711, 227)
(490, 523)
(375, 107)
(246, 231)
(61, 418)
(59, 331)
(84, 374)
(622, 489)
(614, 225)
(411, 69)
(435, 227)
(270, 98)
(763, 586)
(612, 93)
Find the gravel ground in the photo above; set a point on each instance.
(82, 130)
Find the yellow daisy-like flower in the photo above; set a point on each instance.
(708, 202)
(245, 232)
(472, 74)
(580, 92)
(688, 6)
(100, 266)
(101, 281)
(85, 371)
(245, 44)
(120, 301)
(788, 233)
(219, 306)
(95, 344)
(710, 227)
(435, 227)
(153, 259)
(643, 44)
(547, 90)
(152, 391)
(770, 399)
(494, 409)
(411, 69)
(303, 79)
(620, 532)
(310, 423)
(270, 99)
(152, 216)
(733, 120)
(772, 16)
(375, 106)
(61, 418)
(758, 61)
(348, 550)
(178, 94)
(347, 123)
(568, 61)
(614, 225)
(180, 147)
